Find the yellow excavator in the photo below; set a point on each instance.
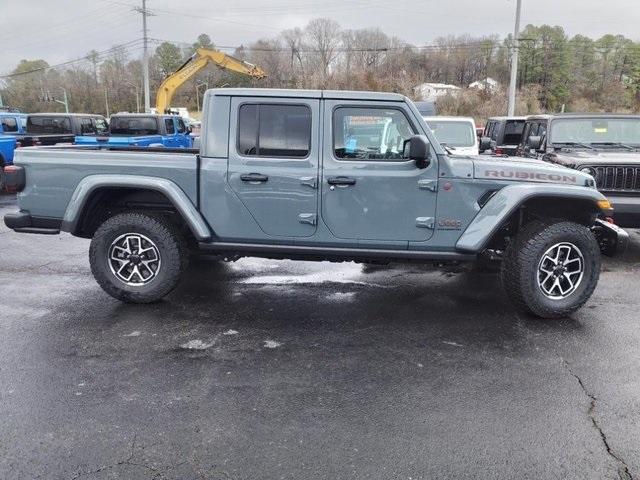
(193, 65)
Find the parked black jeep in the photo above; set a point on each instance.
(505, 134)
(606, 146)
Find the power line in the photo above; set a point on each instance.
(126, 46)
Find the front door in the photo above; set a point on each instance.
(273, 163)
(370, 192)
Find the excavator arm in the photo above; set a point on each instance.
(200, 59)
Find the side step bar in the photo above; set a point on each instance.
(331, 253)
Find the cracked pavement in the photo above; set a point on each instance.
(267, 369)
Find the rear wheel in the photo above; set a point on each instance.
(138, 257)
(551, 269)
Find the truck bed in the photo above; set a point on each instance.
(69, 164)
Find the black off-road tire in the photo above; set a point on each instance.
(519, 272)
(166, 237)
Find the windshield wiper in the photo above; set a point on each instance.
(447, 148)
(615, 144)
(572, 144)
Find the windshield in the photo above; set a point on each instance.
(53, 125)
(453, 134)
(133, 126)
(595, 130)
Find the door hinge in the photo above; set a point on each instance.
(309, 181)
(425, 222)
(309, 218)
(431, 185)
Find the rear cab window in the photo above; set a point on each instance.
(49, 125)
(513, 132)
(8, 124)
(134, 126)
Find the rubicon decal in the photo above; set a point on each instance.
(520, 175)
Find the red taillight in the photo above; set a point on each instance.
(498, 151)
(14, 178)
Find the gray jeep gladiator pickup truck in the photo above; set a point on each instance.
(317, 175)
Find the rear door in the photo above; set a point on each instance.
(370, 192)
(273, 162)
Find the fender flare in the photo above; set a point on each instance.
(172, 191)
(507, 200)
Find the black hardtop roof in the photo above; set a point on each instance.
(549, 116)
(59, 114)
(155, 115)
(500, 119)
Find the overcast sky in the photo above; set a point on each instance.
(61, 30)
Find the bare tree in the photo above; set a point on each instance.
(323, 35)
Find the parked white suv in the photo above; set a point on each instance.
(458, 134)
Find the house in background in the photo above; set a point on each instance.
(431, 91)
(488, 84)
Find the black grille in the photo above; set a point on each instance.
(618, 178)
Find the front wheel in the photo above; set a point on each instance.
(138, 257)
(551, 269)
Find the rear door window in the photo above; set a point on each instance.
(168, 123)
(272, 130)
(87, 127)
(182, 128)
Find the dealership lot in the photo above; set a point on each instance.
(278, 369)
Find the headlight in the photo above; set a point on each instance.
(588, 170)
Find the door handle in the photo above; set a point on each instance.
(253, 177)
(341, 181)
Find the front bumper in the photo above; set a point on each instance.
(613, 240)
(23, 222)
(626, 210)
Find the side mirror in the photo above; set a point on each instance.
(418, 148)
(534, 143)
(485, 144)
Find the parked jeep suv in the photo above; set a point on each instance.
(505, 134)
(606, 146)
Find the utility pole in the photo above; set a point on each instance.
(145, 55)
(514, 62)
(106, 100)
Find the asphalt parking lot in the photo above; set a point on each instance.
(266, 369)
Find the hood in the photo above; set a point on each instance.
(594, 157)
(516, 169)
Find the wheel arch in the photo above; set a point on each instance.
(506, 206)
(94, 191)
